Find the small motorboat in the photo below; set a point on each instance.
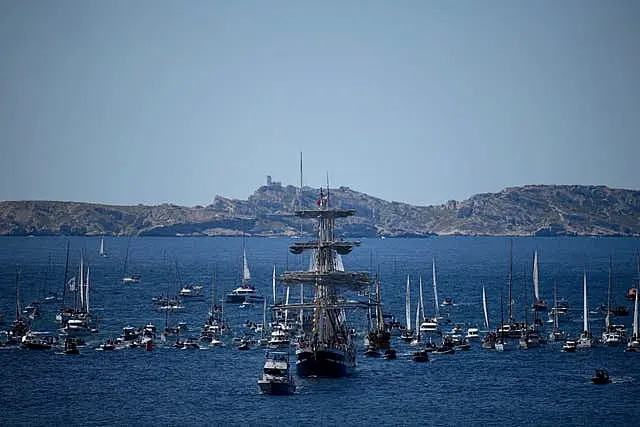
(191, 344)
(37, 341)
(420, 356)
(570, 346)
(473, 334)
(601, 377)
(372, 351)
(389, 354)
(71, 346)
(109, 344)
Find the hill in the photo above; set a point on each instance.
(543, 210)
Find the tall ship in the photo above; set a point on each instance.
(327, 346)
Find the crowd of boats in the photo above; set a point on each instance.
(311, 317)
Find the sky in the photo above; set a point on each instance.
(155, 101)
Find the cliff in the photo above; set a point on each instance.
(530, 210)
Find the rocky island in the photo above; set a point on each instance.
(533, 210)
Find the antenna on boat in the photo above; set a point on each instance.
(301, 182)
(327, 189)
(300, 194)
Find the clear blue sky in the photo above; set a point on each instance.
(416, 101)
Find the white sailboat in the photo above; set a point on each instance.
(539, 304)
(245, 292)
(429, 325)
(556, 334)
(634, 342)
(489, 341)
(102, 252)
(586, 339)
(128, 278)
(416, 340)
(611, 335)
(407, 335)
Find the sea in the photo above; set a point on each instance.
(218, 386)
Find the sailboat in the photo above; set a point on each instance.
(245, 292)
(489, 341)
(634, 342)
(611, 335)
(422, 354)
(20, 325)
(501, 343)
(631, 292)
(538, 304)
(430, 326)
(586, 339)
(407, 335)
(416, 338)
(380, 336)
(215, 325)
(102, 252)
(556, 334)
(79, 318)
(511, 329)
(128, 278)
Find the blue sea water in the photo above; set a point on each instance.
(218, 386)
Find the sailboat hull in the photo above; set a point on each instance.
(325, 363)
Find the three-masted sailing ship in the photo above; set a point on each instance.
(327, 347)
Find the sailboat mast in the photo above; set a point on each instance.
(407, 306)
(555, 303)
(286, 310)
(524, 296)
(484, 307)
(81, 281)
(379, 315)
(501, 314)
(510, 279)
(126, 260)
(66, 274)
(435, 287)
(535, 277)
(607, 321)
(635, 318)
(273, 284)
(264, 318)
(214, 290)
(585, 310)
(86, 289)
(17, 294)
(418, 321)
(421, 306)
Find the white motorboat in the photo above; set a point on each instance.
(276, 377)
(473, 334)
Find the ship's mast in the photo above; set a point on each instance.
(327, 280)
(511, 319)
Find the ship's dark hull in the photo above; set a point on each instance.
(277, 388)
(325, 363)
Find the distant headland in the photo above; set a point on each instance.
(532, 210)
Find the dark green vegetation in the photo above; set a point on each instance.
(529, 210)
